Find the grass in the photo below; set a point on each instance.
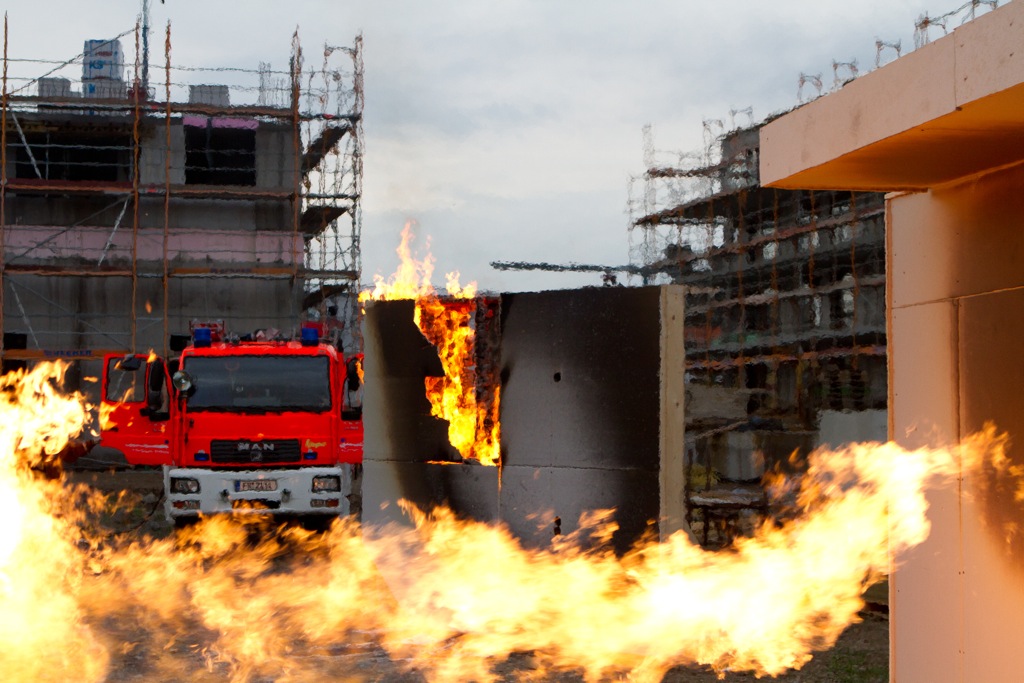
(853, 667)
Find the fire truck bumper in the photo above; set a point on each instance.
(306, 491)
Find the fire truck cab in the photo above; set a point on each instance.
(246, 426)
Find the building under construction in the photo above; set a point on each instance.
(785, 311)
(138, 196)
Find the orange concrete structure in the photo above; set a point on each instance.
(942, 130)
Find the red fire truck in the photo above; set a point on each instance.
(252, 426)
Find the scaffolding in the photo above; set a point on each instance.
(135, 197)
(786, 288)
(785, 325)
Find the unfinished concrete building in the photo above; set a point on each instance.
(785, 314)
(138, 197)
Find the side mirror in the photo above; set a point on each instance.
(156, 390)
(184, 382)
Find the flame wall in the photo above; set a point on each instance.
(589, 420)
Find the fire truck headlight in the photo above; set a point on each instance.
(184, 485)
(327, 483)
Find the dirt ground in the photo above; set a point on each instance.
(860, 656)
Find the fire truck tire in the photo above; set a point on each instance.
(317, 523)
(185, 522)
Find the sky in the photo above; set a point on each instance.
(509, 129)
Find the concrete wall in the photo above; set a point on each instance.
(838, 427)
(155, 153)
(957, 282)
(591, 415)
(95, 312)
(58, 212)
(89, 246)
(276, 157)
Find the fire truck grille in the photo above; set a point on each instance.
(243, 451)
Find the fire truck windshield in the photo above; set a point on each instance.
(259, 384)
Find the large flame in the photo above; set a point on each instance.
(448, 598)
(473, 426)
(42, 633)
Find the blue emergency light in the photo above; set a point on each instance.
(202, 336)
(309, 336)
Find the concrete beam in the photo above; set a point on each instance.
(945, 111)
(47, 243)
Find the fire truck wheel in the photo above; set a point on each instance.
(318, 523)
(185, 522)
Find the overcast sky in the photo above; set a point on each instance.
(508, 129)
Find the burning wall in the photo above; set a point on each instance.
(589, 417)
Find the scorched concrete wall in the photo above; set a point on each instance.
(591, 414)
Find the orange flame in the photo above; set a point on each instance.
(460, 596)
(108, 409)
(449, 598)
(473, 428)
(106, 416)
(40, 567)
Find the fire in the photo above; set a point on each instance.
(106, 416)
(42, 634)
(451, 598)
(447, 597)
(108, 410)
(473, 427)
(765, 605)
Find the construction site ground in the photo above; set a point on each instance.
(861, 654)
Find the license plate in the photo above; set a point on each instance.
(256, 485)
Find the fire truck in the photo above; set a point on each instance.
(249, 425)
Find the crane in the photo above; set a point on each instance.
(608, 272)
